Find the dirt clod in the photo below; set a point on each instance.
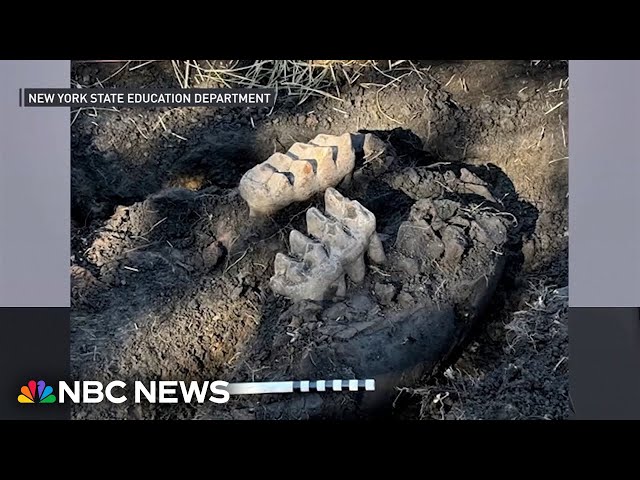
(385, 292)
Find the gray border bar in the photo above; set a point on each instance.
(34, 345)
(605, 362)
(604, 183)
(34, 189)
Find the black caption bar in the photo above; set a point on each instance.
(184, 97)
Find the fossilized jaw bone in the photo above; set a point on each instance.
(340, 240)
(306, 169)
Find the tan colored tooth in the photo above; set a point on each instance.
(345, 157)
(304, 177)
(327, 172)
(279, 182)
(280, 162)
(261, 173)
(310, 168)
(306, 150)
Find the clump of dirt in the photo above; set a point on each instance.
(170, 275)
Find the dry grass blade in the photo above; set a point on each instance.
(179, 75)
(143, 64)
(554, 108)
(392, 82)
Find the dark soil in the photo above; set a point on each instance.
(170, 275)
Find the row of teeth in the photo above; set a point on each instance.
(306, 169)
(336, 246)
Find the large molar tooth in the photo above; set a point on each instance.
(336, 244)
(309, 168)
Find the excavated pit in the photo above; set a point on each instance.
(436, 263)
(171, 274)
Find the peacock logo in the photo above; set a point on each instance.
(38, 392)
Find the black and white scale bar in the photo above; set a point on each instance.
(250, 388)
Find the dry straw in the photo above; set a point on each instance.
(295, 78)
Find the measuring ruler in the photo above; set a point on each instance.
(252, 388)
